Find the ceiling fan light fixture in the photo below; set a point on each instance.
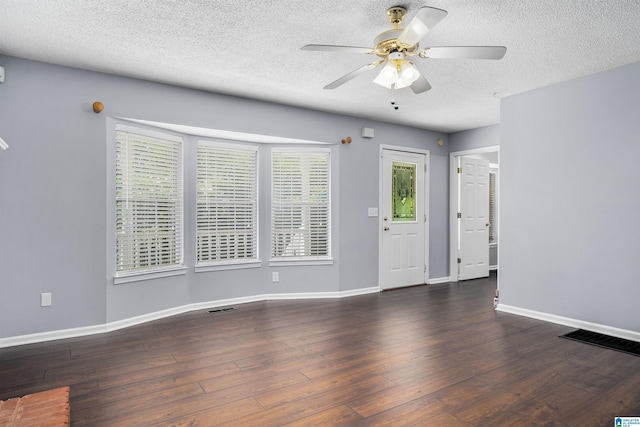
(388, 75)
(407, 74)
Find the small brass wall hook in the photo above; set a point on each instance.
(98, 107)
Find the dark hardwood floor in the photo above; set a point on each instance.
(429, 356)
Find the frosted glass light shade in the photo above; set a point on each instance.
(388, 75)
(408, 74)
(398, 74)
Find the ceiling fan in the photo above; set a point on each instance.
(396, 45)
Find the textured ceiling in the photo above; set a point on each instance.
(252, 48)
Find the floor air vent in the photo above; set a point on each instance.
(222, 310)
(606, 341)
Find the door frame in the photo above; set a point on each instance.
(453, 204)
(425, 186)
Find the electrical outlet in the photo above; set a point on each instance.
(45, 299)
(1, 74)
(275, 276)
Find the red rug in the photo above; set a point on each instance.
(45, 409)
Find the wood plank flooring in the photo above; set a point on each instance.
(426, 356)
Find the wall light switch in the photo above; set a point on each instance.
(45, 299)
(373, 212)
(1, 74)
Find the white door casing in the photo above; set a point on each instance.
(403, 227)
(473, 221)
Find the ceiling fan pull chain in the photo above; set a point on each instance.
(394, 104)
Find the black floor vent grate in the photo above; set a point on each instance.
(222, 310)
(606, 341)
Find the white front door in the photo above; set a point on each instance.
(403, 222)
(473, 218)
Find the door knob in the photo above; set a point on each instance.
(386, 228)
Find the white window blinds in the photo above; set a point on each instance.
(300, 204)
(227, 203)
(492, 207)
(149, 218)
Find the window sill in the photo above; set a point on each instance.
(300, 262)
(203, 268)
(148, 275)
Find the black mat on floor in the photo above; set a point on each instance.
(606, 341)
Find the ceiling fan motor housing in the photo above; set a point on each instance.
(387, 42)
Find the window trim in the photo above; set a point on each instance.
(146, 275)
(226, 265)
(299, 262)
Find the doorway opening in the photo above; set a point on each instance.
(474, 236)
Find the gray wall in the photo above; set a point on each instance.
(570, 197)
(475, 138)
(53, 196)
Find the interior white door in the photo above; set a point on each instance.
(402, 255)
(473, 218)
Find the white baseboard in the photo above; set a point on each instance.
(52, 335)
(439, 280)
(574, 323)
(132, 321)
(319, 295)
(137, 320)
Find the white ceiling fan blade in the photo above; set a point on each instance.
(342, 80)
(421, 24)
(334, 48)
(420, 85)
(464, 52)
